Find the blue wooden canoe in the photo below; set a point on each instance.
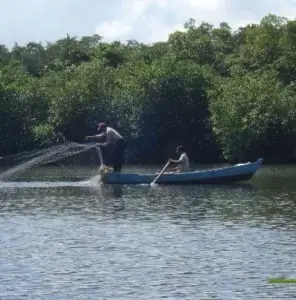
(239, 172)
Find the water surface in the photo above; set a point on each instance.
(73, 239)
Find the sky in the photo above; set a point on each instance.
(148, 21)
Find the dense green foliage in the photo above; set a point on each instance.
(223, 94)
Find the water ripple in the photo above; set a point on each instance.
(80, 241)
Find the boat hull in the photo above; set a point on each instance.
(239, 172)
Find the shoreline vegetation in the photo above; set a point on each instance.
(227, 96)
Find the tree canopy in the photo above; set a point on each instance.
(223, 94)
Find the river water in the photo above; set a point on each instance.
(64, 239)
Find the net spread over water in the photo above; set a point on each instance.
(61, 155)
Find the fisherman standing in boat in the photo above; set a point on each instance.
(114, 139)
(182, 162)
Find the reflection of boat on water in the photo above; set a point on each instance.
(238, 172)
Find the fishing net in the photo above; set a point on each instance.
(72, 159)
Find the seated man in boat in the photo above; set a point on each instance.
(114, 139)
(182, 162)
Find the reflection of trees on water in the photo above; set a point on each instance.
(191, 202)
(176, 202)
(118, 200)
(264, 202)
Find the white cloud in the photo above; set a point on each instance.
(202, 5)
(143, 20)
(162, 32)
(154, 20)
(131, 12)
(114, 29)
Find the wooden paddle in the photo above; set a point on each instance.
(167, 164)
